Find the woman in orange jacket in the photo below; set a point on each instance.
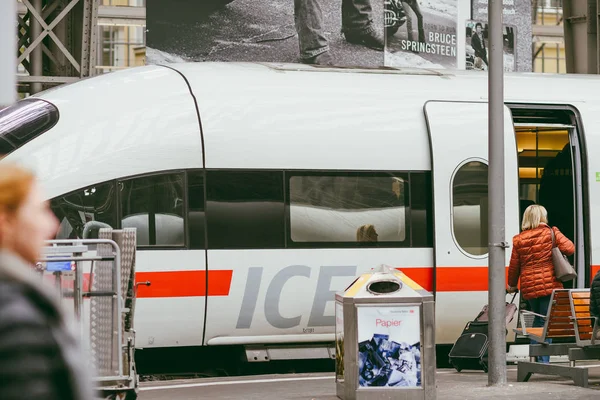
(531, 261)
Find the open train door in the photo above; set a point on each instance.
(458, 134)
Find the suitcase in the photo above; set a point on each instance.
(470, 349)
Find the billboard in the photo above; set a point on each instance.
(281, 31)
(516, 14)
(432, 34)
(477, 44)
(421, 33)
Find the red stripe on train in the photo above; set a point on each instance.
(171, 283)
(451, 279)
(595, 269)
(193, 283)
(183, 283)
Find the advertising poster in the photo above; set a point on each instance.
(477, 45)
(421, 33)
(389, 348)
(278, 31)
(339, 342)
(517, 15)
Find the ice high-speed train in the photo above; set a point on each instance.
(248, 183)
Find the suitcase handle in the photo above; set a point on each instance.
(514, 296)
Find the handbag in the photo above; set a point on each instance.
(563, 269)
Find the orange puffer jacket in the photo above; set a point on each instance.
(531, 260)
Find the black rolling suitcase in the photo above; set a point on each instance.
(470, 350)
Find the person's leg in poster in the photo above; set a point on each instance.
(308, 19)
(357, 24)
(484, 57)
(414, 6)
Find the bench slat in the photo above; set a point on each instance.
(560, 326)
(532, 331)
(581, 303)
(560, 313)
(581, 295)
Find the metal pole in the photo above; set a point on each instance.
(592, 38)
(35, 30)
(496, 276)
(8, 47)
(77, 292)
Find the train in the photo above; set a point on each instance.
(248, 183)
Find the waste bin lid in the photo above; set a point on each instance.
(384, 281)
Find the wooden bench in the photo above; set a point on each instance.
(563, 322)
(557, 322)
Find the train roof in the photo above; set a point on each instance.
(259, 115)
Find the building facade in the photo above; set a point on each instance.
(548, 37)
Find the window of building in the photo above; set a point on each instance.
(121, 41)
(75, 211)
(155, 206)
(348, 208)
(196, 216)
(120, 47)
(470, 207)
(245, 209)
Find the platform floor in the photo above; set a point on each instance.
(451, 386)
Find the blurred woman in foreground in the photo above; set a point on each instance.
(39, 356)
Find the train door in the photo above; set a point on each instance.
(459, 149)
(550, 174)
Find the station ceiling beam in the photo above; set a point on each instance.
(57, 40)
(581, 36)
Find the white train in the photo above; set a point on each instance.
(248, 183)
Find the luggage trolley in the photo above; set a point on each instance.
(97, 277)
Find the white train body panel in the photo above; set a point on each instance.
(137, 124)
(258, 117)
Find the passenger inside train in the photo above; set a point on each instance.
(366, 233)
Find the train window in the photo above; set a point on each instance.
(470, 207)
(154, 205)
(348, 208)
(421, 225)
(195, 182)
(77, 210)
(24, 121)
(245, 209)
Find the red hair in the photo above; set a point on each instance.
(15, 185)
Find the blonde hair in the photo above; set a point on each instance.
(533, 216)
(366, 233)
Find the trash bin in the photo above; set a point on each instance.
(385, 338)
